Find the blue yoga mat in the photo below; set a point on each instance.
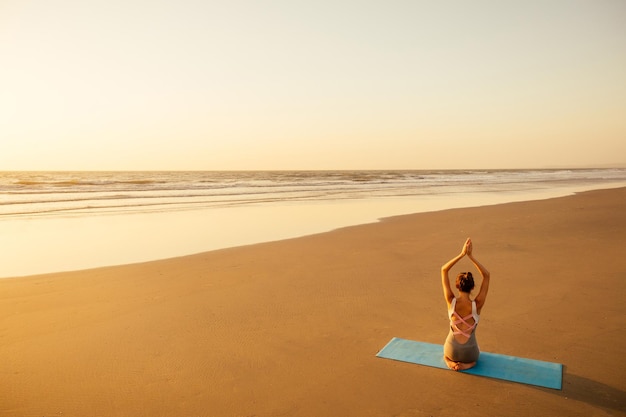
(492, 365)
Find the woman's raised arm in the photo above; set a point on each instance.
(445, 279)
(484, 287)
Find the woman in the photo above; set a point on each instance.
(461, 349)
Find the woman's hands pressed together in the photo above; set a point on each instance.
(467, 247)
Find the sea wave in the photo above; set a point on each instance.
(68, 193)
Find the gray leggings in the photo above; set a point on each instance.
(461, 352)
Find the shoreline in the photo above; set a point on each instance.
(33, 247)
(292, 327)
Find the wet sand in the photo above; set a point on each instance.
(292, 327)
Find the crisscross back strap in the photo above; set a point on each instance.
(455, 325)
(455, 320)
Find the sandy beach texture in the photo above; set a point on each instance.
(291, 328)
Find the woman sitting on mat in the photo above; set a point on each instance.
(461, 349)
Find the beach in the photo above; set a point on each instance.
(292, 327)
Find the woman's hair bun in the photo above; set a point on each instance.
(465, 282)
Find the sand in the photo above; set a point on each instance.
(291, 328)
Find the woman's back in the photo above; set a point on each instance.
(463, 318)
(463, 307)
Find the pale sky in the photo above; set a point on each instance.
(338, 84)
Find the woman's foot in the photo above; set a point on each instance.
(463, 366)
(458, 366)
(451, 364)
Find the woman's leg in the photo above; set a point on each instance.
(458, 366)
(451, 364)
(462, 366)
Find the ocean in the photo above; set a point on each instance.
(58, 221)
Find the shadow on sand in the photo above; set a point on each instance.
(592, 392)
